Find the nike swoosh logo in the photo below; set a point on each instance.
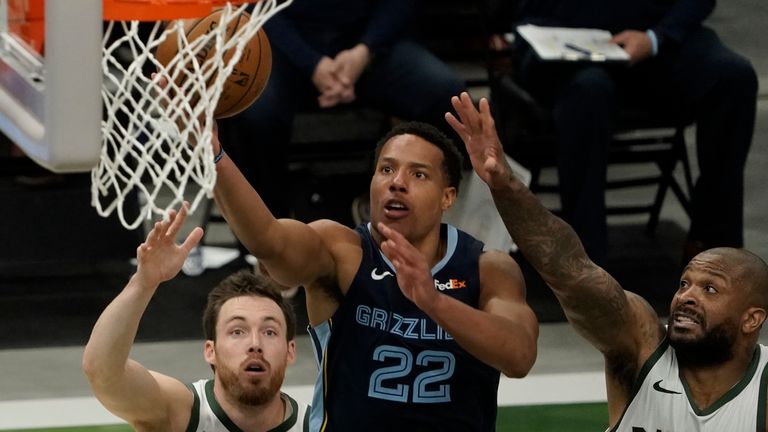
(657, 386)
(379, 276)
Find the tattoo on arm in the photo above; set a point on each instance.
(549, 244)
(553, 248)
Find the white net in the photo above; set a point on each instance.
(151, 131)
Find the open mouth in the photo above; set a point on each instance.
(395, 209)
(255, 367)
(685, 320)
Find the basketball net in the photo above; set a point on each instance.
(156, 138)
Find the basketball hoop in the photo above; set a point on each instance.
(155, 138)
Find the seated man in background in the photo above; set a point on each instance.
(679, 69)
(249, 330)
(328, 53)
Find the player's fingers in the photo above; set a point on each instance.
(141, 249)
(160, 80)
(457, 126)
(192, 239)
(398, 246)
(486, 118)
(485, 107)
(155, 234)
(471, 113)
(166, 224)
(461, 110)
(178, 220)
(470, 116)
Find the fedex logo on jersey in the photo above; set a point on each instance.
(452, 284)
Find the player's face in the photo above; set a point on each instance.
(705, 311)
(409, 190)
(251, 351)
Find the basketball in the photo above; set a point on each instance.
(249, 76)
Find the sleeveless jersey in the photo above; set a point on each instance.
(384, 365)
(661, 400)
(208, 416)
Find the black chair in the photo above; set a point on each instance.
(641, 137)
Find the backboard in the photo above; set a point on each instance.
(50, 80)
(82, 90)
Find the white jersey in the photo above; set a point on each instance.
(208, 416)
(661, 399)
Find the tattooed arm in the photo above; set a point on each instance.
(618, 323)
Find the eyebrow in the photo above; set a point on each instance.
(242, 318)
(409, 164)
(271, 318)
(718, 275)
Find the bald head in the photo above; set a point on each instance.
(746, 268)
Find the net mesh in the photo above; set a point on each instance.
(152, 124)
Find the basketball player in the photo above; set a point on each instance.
(703, 371)
(412, 321)
(249, 330)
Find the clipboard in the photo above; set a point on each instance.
(572, 44)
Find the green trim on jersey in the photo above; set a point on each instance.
(288, 423)
(194, 417)
(644, 371)
(305, 426)
(761, 400)
(218, 410)
(730, 394)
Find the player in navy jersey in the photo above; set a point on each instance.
(411, 320)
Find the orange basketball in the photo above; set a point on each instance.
(248, 77)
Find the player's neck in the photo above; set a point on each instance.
(709, 383)
(432, 247)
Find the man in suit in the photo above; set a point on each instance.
(678, 69)
(331, 53)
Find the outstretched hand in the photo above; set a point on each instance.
(159, 257)
(413, 273)
(478, 131)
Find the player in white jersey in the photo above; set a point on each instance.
(703, 372)
(249, 330)
(661, 391)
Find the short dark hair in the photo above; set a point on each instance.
(452, 158)
(245, 283)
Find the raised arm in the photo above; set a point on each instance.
(616, 322)
(293, 252)
(502, 315)
(123, 386)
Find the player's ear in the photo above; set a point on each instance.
(209, 352)
(291, 355)
(753, 319)
(449, 197)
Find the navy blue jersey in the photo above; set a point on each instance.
(386, 366)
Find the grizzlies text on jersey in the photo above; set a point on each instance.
(386, 365)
